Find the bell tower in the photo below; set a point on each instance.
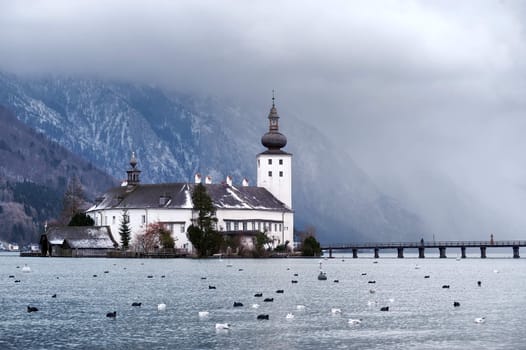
(274, 166)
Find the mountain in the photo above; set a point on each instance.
(176, 135)
(34, 173)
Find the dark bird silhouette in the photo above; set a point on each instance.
(112, 314)
(372, 282)
(336, 281)
(94, 275)
(211, 287)
(268, 300)
(203, 278)
(17, 281)
(238, 304)
(364, 274)
(295, 275)
(31, 309)
(280, 291)
(136, 304)
(456, 304)
(384, 308)
(445, 286)
(263, 317)
(258, 295)
(426, 276)
(294, 281)
(11, 276)
(479, 283)
(149, 276)
(54, 296)
(106, 271)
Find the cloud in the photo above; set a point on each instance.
(408, 88)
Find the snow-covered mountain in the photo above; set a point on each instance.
(175, 136)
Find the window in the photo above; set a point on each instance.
(236, 226)
(182, 227)
(270, 173)
(281, 174)
(113, 220)
(275, 227)
(270, 162)
(105, 220)
(228, 226)
(253, 224)
(259, 226)
(280, 228)
(281, 162)
(143, 219)
(244, 226)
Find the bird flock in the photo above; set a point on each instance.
(225, 326)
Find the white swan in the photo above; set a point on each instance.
(26, 268)
(335, 311)
(391, 300)
(480, 320)
(222, 325)
(204, 314)
(290, 316)
(354, 321)
(300, 307)
(161, 307)
(255, 306)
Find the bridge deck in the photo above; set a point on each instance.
(432, 244)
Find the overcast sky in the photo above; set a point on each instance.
(428, 97)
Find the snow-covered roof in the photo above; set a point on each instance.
(179, 196)
(82, 237)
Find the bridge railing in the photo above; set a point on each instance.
(425, 244)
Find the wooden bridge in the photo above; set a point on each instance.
(421, 246)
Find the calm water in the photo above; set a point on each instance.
(421, 316)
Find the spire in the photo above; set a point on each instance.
(133, 161)
(273, 139)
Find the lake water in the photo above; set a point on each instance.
(421, 313)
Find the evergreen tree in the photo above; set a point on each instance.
(124, 230)
(81, 219)
(311, 247)
(202, 233)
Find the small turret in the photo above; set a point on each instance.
(133, 172)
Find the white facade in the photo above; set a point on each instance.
(279, 225)
(274, 172)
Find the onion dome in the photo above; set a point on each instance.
(273, 139)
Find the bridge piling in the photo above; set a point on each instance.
(421, 251)
(355, 253)
(330, 252)
(463, 252)
(442, 251)
(376, 253)
(516, 252)
(483, 252)
(400, 253)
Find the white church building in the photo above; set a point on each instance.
(241, 210)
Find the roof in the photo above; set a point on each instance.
(179, 196)
(92, 237)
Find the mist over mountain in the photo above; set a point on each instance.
(34, 173)
(176, 135)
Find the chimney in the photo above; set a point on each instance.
(245, 182)
(208, 180)
(197, 178)
(229, 180)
